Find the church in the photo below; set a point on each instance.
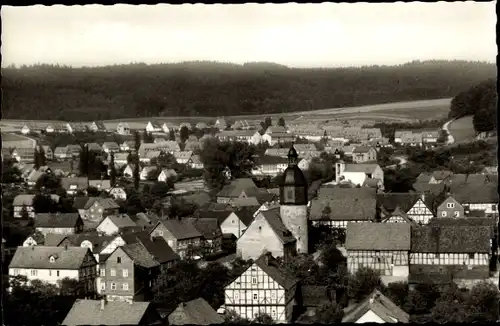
(281, 231)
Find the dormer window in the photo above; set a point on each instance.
(450, 205)
(52, 259)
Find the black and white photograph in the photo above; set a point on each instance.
(253, 163)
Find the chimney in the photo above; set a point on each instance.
(103, 303)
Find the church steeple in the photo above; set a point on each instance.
(293, 157)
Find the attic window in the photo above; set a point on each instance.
(450, 205)
(52, 259)
(118, 260)
(260, 228)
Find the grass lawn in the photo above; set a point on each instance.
(12, 137)
(462, 129)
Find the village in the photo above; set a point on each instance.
(281, 221)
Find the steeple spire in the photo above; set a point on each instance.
(293, 157)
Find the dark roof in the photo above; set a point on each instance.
(245, 214)
(270, 266)
(405, 201)
(268, 159)
(219, 215)
(381, 306)
(208, 227)
(451, 239)
(433, 188)
(82, 183)
(389, 236)
(56, 220)
(99, 242)
(181, 229)
(89, 312)
(140, 255)
(314, 295)
(194, 312)
(475, 193)
(345, 203)
(80, 202)
(399, 212)
(157, 247)
(293, 175)
(39, 257)
(443, 274)
(467, 221)
(236, 187)
(441, 175)
(274, 219)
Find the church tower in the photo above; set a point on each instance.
(293, 202)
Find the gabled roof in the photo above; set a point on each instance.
(244, 202)
(433, 188)
(274, 219)
(390, 236)
(361, 149)
(475, 193)
(180, 229)
(441, 175)
(270, 266)
(157, 247)
(57, 220)
(38, 257)
(194, 312)
(99, 242)
(360, 168)
(106, 203)
(110, 145)
(208, 227)
(104, 184)
(220, 215)
(399, 212)
(140, 255)
(27, 200)
(405, 201)
(451, 239)
(245, 214)
(81, 183)
(88, 312)
(121, 221)
(345, 204)
(237, 186)
(381, 306)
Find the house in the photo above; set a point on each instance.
(476, 194)
(335, 207)
(24, 154)
(73, 185)
(450, 208)
(53, 264)
(166, 174)
(266, 233)
(120, 159)
(153, 126)
(127, 145)
(430, 136)
(387, 253)
(191, 145)
(277, 137)
(110, 147)
(398, 216)
(48, 240)
(98, 208)
(59, 223)
(62, 153)
(236, 135)
(183, 157)
(357, 173)
(49, 154)
(113, 224)
(98, 126)
(442, 253)
(100, 184)
(181, 236)
(128, 172)
(26, 129)
(56, 128)
(251, 202)
(211, 233)
(118, 193)
(221, 124)
(235, 189)
(94, 147)
(270, 165)
(74, 150)
(364, 154)
(130, 271)
(102, 312)
(194, 312)
(149, 173)
(33, 177)
(150, 156)
(76, 127)
(419, 207)
(376, 308)
(263, 287)
(26, 201)
(168, 127)
(201, 125)
(195, 162)
(493, 170)
(234, 221)
(123, 129)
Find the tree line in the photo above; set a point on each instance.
(215, 89)
(480, 101)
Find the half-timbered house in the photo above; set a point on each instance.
(376, 308)
(442, 253)
(398, 216)
(263, 287)
(384, 247)
(419, 207)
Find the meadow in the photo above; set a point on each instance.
(462, 129)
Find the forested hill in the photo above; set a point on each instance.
(214, 89)
(480, 101)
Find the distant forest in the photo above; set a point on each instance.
(221, 89)
(480, 101)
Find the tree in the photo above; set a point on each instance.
(171, 135)
(36, 165)
(451, 306)
(44, 204)
(83, 166)
(232, 317)
(147, 137)
(483, 303)
(329, 313)
(160, 189)
(398, 292)
(281, 122)
(49, 182)
(268, 122)
(10, 173)
(184, 133)
(363, 282)
(136, 163)
(112, 170)
(263, 318)
(42, 160)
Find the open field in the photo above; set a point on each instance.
(462, 129)
(399, 111)
(12, 137)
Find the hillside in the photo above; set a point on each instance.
(214, 89)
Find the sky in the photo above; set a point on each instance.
(296, 35)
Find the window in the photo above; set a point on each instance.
(273, 313)
(443, 214)
(254, 280)
(125, 286)
(34, 272)
(113, 272)
(232, 221)
(50, 272)
(494, 207)
(57, 273)
(255, 296)
(160, 233)
(471, 256)
(103, 286)
(113, 286)
(456, 214)
(125, 272)
(103, 272)
(450, 205)
(118, 260)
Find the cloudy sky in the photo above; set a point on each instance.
(299, 35)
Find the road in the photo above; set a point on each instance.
(450, 140)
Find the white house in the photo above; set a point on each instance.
(357, 173)
(53, 264)
(113, 224)
(153, 126)
(123, 129)
(183, 157)
(165, 174)
(118, 193)
(146, 172)
(167, 127)
(376, 308)
(26, 201)
(128, 172)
